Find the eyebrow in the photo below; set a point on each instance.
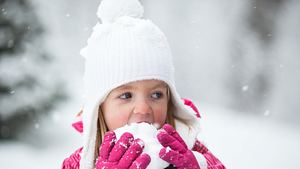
(160, 85)
(124, 87)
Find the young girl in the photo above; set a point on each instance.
(129, 78)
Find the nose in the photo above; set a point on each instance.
(142, 107)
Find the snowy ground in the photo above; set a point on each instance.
(56, 141)
(251, 142)
(241, 142)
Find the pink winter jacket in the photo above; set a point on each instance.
(73, 161)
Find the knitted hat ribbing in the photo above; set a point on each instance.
(122, 49)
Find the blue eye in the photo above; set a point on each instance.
(126, 95)
(157, 95)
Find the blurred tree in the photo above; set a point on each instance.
(250, 80)
(28, 87)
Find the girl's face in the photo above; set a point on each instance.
(136, 102)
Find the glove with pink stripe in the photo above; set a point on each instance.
(126, 153)
(175, 150)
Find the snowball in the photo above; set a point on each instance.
(110, 10)
(147, 133)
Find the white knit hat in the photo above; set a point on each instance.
(122, 49)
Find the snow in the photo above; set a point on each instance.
(147, 133)
(245, 88)
(46, 148)
(247, 141)
(18, 155)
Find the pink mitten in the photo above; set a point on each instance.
(123, 154)
(175, 150)
(73, 161)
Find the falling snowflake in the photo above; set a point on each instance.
(245, 88)
(267, 113)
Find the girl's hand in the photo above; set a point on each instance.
(123, 154)
(175, 150)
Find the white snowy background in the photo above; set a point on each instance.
(218, 52)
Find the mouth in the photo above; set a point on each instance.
(144, 122)
(156, 125)
(140, 119)
(138, 122)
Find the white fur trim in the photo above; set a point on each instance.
(89, 136)
(188, 134)
(201, 160)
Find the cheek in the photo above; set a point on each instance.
(160, 115)
(115, 116)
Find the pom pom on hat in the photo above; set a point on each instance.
(110, 10)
